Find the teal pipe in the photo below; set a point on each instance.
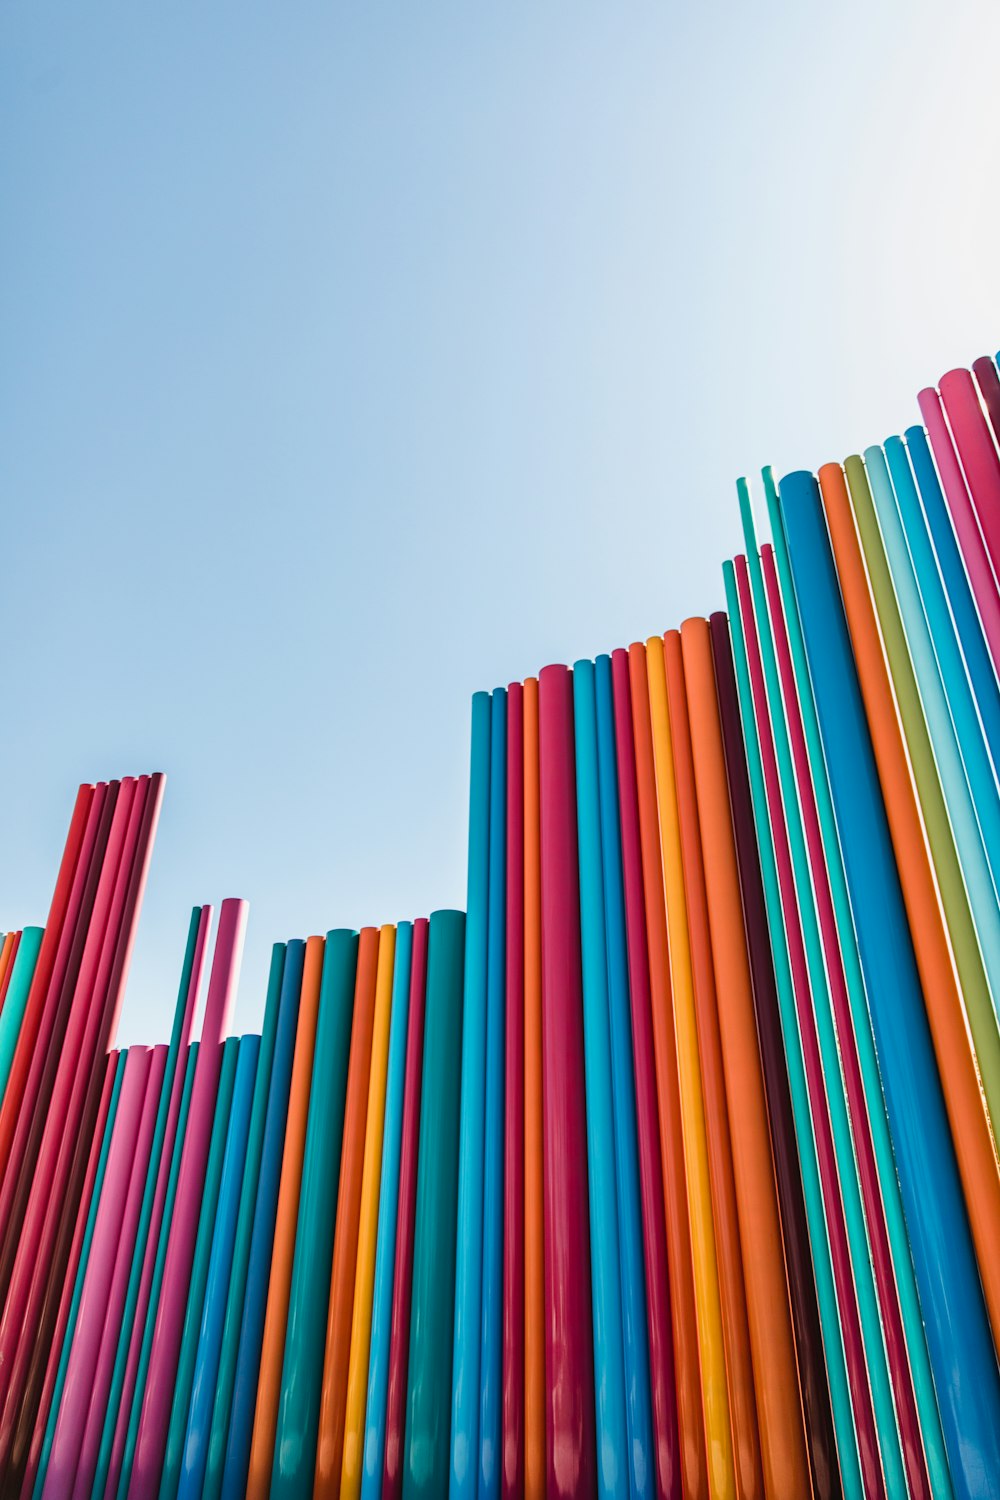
(428, 1392)
(309, 1294)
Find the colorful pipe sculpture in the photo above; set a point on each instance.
(668, 1170)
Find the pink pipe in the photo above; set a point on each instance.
(156, 1218)
(963, 516)
(145, 1480)
(97, 1283)
(87, 1462)
(55, 1351)
(978, 453)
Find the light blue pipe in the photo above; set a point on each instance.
(464, 1457)
(491, 1359)
(613, 1476)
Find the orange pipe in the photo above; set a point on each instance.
(694, 1463)
(974, 1145)
(534, 1235)
(340, 1316)
(739, 1365)
(779, 1406)
(283, 1251)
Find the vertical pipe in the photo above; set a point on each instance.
(247, 1367)
(635, 1338)
(513, 1205)
(687, 1363)
(425, 1471)
(115, 1074)
(100, 1381)
(167, 1330)
(534, 1198)
(173, 1453)
(61, 1472)
(272, 1349)
(392, 956)
(402, 1288)
(789, 1176)
(121, 1466)
(491, 1339)
(374, 979)
(151, 1212)
(215, 1376)
(236, 1164)
(708, 1306)
(569, 1353)
(666, 1466)
(464, 1458)
(614, 1470)
(347, 973)
(778, 1405)
(732, 1288)
(388, 1208)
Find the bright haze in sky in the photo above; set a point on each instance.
(358, 357)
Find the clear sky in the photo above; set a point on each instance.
(357, 356)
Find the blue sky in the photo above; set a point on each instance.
(357, 357)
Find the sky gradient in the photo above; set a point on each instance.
(357, 357)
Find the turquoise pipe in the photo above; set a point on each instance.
(428, 1390)
(491, 1342)
(16, 999)
(308, 1302)
(613, 1466)
(465, 1395)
